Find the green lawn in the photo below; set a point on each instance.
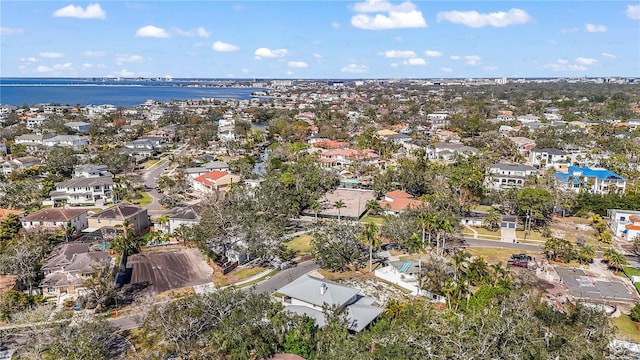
(378, 220)
(145, 200)
(482, 208)
(494, 255)
(482, 233)
(627, 329)
(253, 282)
(300, 244)
(631, 271)
(147, 164)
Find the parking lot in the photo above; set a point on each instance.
(165, 270)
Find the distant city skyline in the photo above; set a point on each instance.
(313, 39)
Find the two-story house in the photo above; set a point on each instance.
(83, 191)
(594, 180)
(175, 218)
(345, 157)
(21, 163)
(624, 223)
(503, 176)
(76, 142)
(56, 218)
(398, 201)
(214, 181)
(308, 296)
(68, 267)
(115, 217)
(549, 158)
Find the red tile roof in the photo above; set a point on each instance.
(211, 176)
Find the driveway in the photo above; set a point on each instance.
(283, 278)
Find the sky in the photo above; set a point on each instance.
(320, 39)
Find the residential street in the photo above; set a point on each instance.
(500, 244)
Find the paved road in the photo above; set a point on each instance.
(500, 244)
(283, 278)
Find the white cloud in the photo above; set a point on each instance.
(93, 11)
(432, 53)
(335, 25)
(389, 16)
(446, 69)
(317, 56)
(203, 33)
(633, 12)
(268, 53)
(454, 57)
(394, 65)
(224, 47)
(476, 20)
(121, 59)
(152, 31)
(30, 59)
(289, 72)
(51, 55)
(355, 69)
(472, 59)
(126, 73)
(415, 62)
(563, 61)
(86, 66)
(245, 71)
(563, 66)
(11, 31)
(595, 28)
(65, 66)
(90, 53)
(586, 61)
(607, 55)
(552, 42)
(200, 32)
(43, 69)
(398, 54)
(298, 64)
(491, 68)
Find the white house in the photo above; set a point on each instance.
(74, 141)
(405, 275)
(56, 218)
(83, 191)
(548, 158)
(502, 176)
(625, 224)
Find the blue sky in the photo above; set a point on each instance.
(320, 39)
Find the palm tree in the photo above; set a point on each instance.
(69, 230)
(368, 236)
(460, 264)
(428, 223)
(416, 244)
(373, 207)
(315, 206)
(444, 227)
(615, 260)
(339, 205)
(586, 253)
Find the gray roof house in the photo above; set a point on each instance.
(307, 295)
(502, 176)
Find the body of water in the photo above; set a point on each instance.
(20, 91)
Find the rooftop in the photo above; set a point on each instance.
(53, 215)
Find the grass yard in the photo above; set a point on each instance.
(627, 329)
(482, 208)
(353, 274)
(378, 220)
(495, 255)
(145, 200)
(532, 235)
(572, 220)
(235, 276)
(253, 282)
(300, 244)
(149, 163)
(631, 271)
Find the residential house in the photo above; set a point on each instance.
(523, 144)
(79, 126)
(175, 218)
(549, 158)
(82, 191)
(33, 142)
(503, 176)
(398, 201)
(21, 163)
(214, 181)
(345, 157)
(36, 122)
(447, 152)
(624, 224)
(91, 171)
(439, 119)
(405, 274)
(308, 296)
(594, 180)
(193, 173)
(55, 218)
(68, 266)
(76, 142)
(115, 216)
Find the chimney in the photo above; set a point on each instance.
(323, 288)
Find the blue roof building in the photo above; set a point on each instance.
(594, 180)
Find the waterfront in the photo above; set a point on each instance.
(31, 91)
